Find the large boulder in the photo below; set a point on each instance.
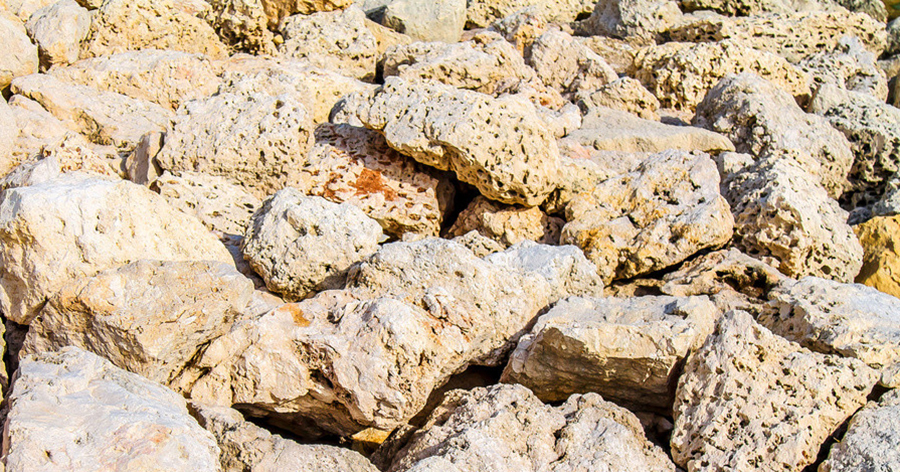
(18, 56)
(871, 439)
(58, 30)
(427, 20)
(337, 41)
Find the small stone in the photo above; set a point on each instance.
(141, 166)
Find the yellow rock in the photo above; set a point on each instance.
(881, 262)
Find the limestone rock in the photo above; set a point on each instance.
(9, 134)
(19, 56)
(479, 244)
(103, 117)
(878, 10)
(751, 7)
(152, 24)
(643, 19)
(624, 94)
(484, 13)
(849, 66)
(30, 128)
(166, 78)
(58, 31)
(427, 20)
(750, 400)
(76, 226)
(242, 24)
(498, 145)
(563, 63)
(23, 9)
(680, 74)
(877, 238)
(141, 166)
(522, 27)
(74, 153)
(665, 210)
(893, 38)
(870, 440)
(301, 244)
(337, 41)
(764, 121)
(505, 428)
(219, 204)
(507, 225)
(627, 350)
(72, 410)
(277, 10)
(618, 53)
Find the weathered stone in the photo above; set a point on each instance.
(72, 410)
(507, 225)
(484, 13)
(479, 244)
(893, 38)
(849, 66)
(498, 145)
(219, 204)
(765, 121)
(627, 350)
(566, 65)
(19, 56)
(565, 268)
(877, 237)
(337, 41)
(58, 31)
(560, 122)
(505, 428)
(655, 216)
(103, 117)
(680, 74)
(166, 78)
(74, 153)
(643, 19)
(522, 27)
(278, 10)
(871, 439)
(301, 244)
(877, 9)
(30, 127)
(242, 24)
(618, 53)
(750, 400)
(624, 94)
(141, 166)
(23, 9)
(751, 7)
(427, 20)
(77, 226)
(152, 24)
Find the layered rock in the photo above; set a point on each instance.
(337, 41)
(869, 443)
(507, 225)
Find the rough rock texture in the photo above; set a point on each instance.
(301, 244)
(624, 94)
(31, 127)
(643, 19)
(219, 204)
(870, 442)
(427, 20)
(879, 269)
(482, 246)
(505, 428)
(166, 78)
(850, 320)
(277, 10)
(785, 218)
(77, 226)
(58, 31)
(242, 25)
(655, 216)
(484, 13)
(103, 117)
(152, 24)
(338, 41)
(498, 145)
(750, 400)
(18, 56)
(246, 446)
(750, 7)
(507, 225)
(627, 350)
(522, 28)
(680, 74)
(606, 129)
(765, 121)
(72, 410)
(148, 317)
(849, 66)
(563, 63)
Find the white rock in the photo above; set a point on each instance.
(565, 268)
(871, 439)
(219, 204)
(18, 56)
(849, 66)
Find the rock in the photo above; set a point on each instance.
(301, 244)
(277, 10)
(507, 225)
(849, 66)
(606, 129)
(665, 210)
(31, 127)
(148, 317)
(58, 30)
(437, 20)
(566, 65)
(158, 24)
(522, 27)
(484, 13)
(874, 8)
(338, 41)
(73, 410)
(889, 204)
(893, 38)
(76, 226)
(74, 153)
(141, 166)
(870, 440)
(23, 9)
(750, 399)
(166, 78)
(741, 8)
(498, 145)
(219, 204)
(643, 19)
(618, 53)
(833, 318)
(506, 428)
(19, 56)
(246, 446)
(479, 244)
(242, 24)
(627, 350)
(681, 74)
(765, 121)
(103, 117)
(625, 94)
(877, 238)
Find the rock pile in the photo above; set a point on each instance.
(450, 235)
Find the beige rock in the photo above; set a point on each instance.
(849, 66)
(337, 41)
(624, 94)
(242, 24)
(484, 13)
(427, 20)
(880, 259)
(58, 30)
(870, 440)
(219, 204)
(507, 225)
(505, 428)
(156, 24)
(9, 135)
(522, 27)
(753, 7)
(680, 74)
(750, 400)
(618, 53)
(566, 65)
(19, 56)
(23, 9)
(498, 145)
(665, 210)
(72, 410)
(386, 38)
(30, 128)
(76, 226)
(73, 153)
(277, 10)
(642, 19)
(627, 350)
(479, 244)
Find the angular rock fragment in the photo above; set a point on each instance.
(507, 225)
(566, 65)
(880, 260)
(242, 24)
(870, 442)
(565, 268)
(58, 30)
(427, 20)
(481, 245)
(624, 94)
(337, 41)
(219, 204)
(19, 56)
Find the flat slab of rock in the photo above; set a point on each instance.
(72, 410)
(870, 442)
(751, 400)
(499, 145)
(627, 350)
(334, 40)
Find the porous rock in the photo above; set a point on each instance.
(219, 204)
(484, 13)
(565, 268)
(877, 237)
(334, 40)
(849, 66)
(507, 225)
(564, 64)
(870, 440)
(626, 94)
(641, 19)
(427, 20)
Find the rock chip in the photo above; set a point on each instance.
(750, 400)
(219, 204)
(877, 237)
(624, 94)
(505, 224)
(19, 56)
(642, 19)
(427, 20)
(484, 13)
(58, 30)
(77, 226)
(871, 439)
(498, 145)
(336, 40)
(565, 268)
(627, 350)
(566, 65)
(72, 410)
(849, 66)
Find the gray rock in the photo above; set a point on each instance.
(565, 268)
(337, 41)
(893, 38)
(19, 56)
(434, 20)
(871, 438)
(58, 30)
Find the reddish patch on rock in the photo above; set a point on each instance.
(371, 181)
(296, 313)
